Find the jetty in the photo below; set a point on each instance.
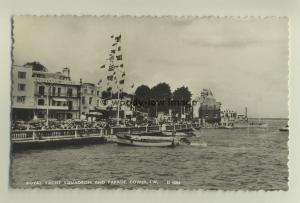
(45, 139)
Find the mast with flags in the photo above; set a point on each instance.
(115, 70)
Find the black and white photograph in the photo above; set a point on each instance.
(127, 102)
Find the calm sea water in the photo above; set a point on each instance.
(249, 159)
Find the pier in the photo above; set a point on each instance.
(43, 139)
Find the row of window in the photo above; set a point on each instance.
(85, 91)
(90, 100)
(41, 91)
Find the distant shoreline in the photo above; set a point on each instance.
(270, 118)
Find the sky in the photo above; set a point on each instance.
(244, 61)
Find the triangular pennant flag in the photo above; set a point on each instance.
(114, 44)
(112, 51)
(122, 81)
(119, 48)
(121, 65)
(132, 86)
(103, 66)
(123, 74)
(100, 81)
(112, 36)
(109, 89)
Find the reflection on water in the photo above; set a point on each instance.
(227, 159)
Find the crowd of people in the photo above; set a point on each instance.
(43, 124)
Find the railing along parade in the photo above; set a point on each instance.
(88, 132)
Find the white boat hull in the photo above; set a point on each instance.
(146, 141)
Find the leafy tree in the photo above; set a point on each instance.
(181, 99)
(142, 96)
(161, 94)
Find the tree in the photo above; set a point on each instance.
(161, 94)
(181, 99)
(142, 96)
(36, 66)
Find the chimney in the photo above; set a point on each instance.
(66, 72)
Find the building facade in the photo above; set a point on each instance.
(39, 94)
(90, 100)
(207, 108)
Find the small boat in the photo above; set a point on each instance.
(148, 139)
(284, 129)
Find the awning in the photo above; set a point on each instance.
(59, 99)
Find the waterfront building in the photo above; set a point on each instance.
(207, 108)
(228, 118)
(91, 101)
(39, 94)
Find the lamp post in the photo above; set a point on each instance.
(48, 104)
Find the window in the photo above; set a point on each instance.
(70, 105)
(85, 91)
(53, 90)
(97, 93)
(21, 99)
(83, 100)
(22, 75)
(92, 91)
(69, 92)
(21, 87)
(90, 100)
(58, 91)
(41, 102)
(41, 90)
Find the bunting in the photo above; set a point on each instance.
(111, 68)
(123, 74)
(119, 57)
(112, 51)
(110, 77)
(103, 66)
(118, 38)
(121, 65)
(122, 81)
(119, 48)
(114, 44)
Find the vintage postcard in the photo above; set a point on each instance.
(149, 103)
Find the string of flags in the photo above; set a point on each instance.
(115, 64)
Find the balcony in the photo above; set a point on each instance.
(52, 107)
(57, 95)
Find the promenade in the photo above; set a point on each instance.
(40, 139)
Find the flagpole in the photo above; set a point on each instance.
(118, 112)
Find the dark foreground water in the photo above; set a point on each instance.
(248, 159)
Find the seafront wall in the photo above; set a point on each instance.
(40, 139)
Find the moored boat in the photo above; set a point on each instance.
(148, 139)
(284, 129)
